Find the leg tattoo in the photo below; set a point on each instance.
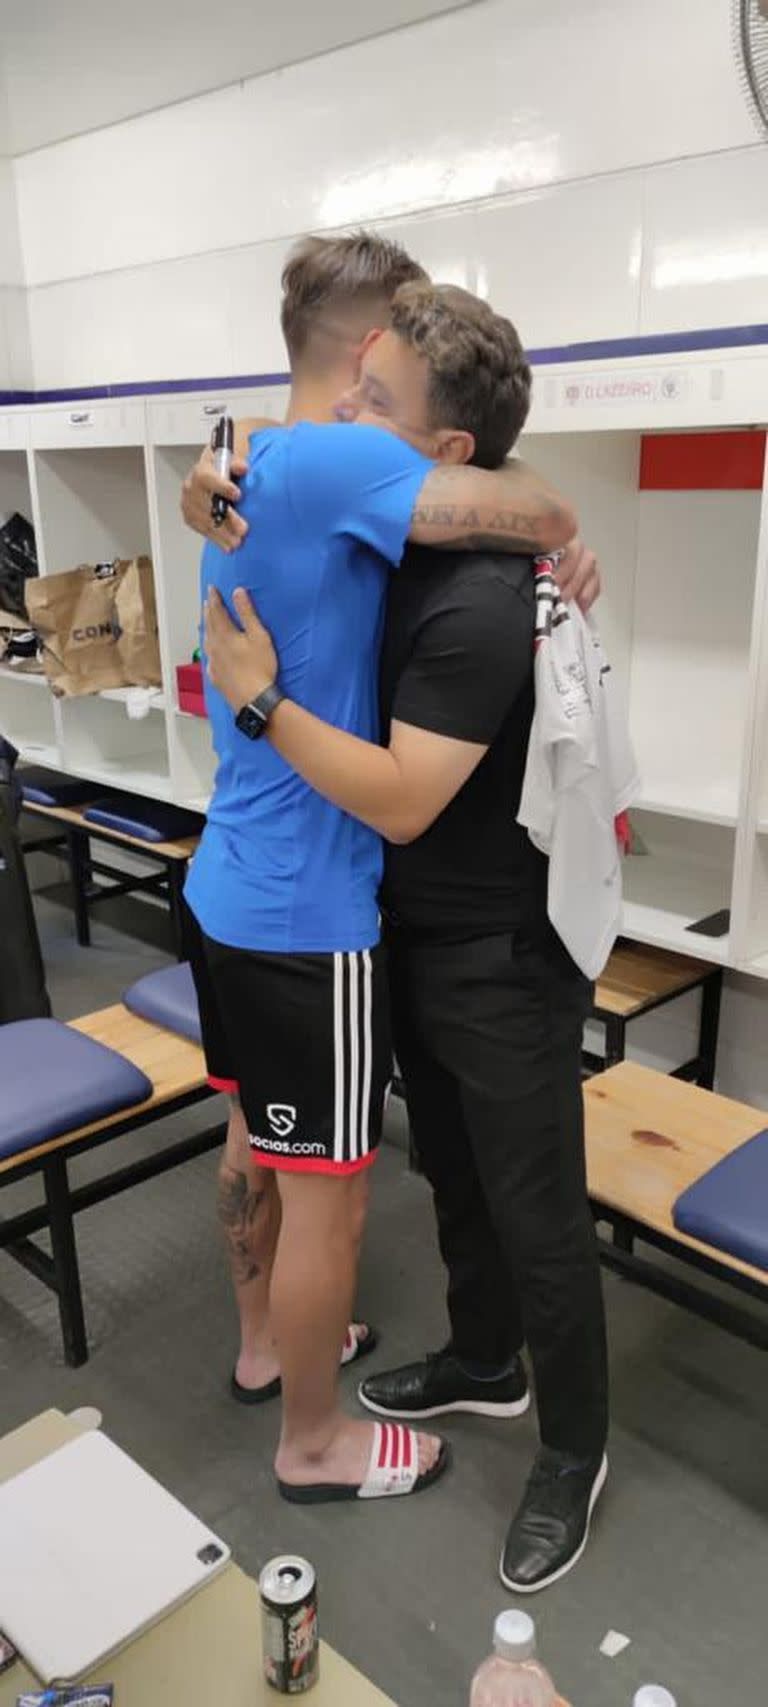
(239, 1205)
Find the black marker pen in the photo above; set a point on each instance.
(222, 445)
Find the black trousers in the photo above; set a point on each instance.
(488, 1037)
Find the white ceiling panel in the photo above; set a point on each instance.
(76, 67)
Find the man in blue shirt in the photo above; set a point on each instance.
(280, 869)
(284, 887)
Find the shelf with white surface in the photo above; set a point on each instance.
(38, 752)
(128, 696)
(683, 874)
(117, 778)
(29, 678)
(713, 803)
(99, 740)
(28, 717)
(662, 927)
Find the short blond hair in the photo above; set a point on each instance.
(479, 379)
(347, 280)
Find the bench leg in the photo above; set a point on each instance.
(65, 1261)
(177, 875)
(623, 1235)
(615, 1040)
(711, 996)
(80, 873)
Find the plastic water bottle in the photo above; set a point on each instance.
(653, 1695)
(512, 1676)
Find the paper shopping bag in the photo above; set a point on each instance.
(98, 626)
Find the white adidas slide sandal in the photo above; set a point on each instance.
(393, 1468)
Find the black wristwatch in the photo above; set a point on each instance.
(253, 719)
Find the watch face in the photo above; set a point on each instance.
(251, 723)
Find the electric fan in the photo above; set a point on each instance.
(750, 30)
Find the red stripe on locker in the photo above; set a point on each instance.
(700, 462)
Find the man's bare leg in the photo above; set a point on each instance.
(249, 1212)
(313, 1287)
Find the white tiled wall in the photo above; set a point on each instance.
(16, 373)
(15, 355)
(705, 252)
(499, 98)
(169, 321)
(100, 63)
(657, 249)
(565, 262)
(519, 148)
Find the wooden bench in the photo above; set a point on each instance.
(177, 1072)
(649, 1136)
(77, 834)
(638, 980)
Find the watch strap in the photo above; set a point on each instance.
(253, 718)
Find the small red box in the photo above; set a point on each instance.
(189, 682)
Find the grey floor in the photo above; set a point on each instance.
(679, 1556)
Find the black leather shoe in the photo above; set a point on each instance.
(550, 1529)
(439, 1385)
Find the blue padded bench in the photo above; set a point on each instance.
(70, 1088)
(167, 998)
(684, 1171)
(164, 835)
(728, 1206)
(142, 820)
(45, 793)
(41, 787)
(55, 1080)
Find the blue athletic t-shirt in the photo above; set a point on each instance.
(329, 509)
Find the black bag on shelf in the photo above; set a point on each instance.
(18, 561)
(23, 994)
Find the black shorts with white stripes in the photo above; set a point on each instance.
(305, 1040)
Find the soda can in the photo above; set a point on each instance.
(288, 1588)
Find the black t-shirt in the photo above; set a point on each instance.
(458, 660)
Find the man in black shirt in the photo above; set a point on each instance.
(488, 1008)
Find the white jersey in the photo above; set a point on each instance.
(581, 774)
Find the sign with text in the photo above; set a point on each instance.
(612, 390)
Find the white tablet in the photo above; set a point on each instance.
(93, 1550)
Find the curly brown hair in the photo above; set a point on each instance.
(349, 280)
(479, 379)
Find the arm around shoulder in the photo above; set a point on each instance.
(508, 509)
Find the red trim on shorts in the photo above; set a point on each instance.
(310, 1164)
(231, 1086)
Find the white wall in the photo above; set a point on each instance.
(15, 353)
(86, 65)
(592, 167)
(152, 247)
